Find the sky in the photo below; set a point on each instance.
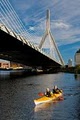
(64, 22)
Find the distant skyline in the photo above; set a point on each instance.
(65, 22)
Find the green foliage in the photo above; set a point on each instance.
(77, 69)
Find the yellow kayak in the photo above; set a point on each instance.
(45, 99)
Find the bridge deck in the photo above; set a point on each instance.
(15, 50)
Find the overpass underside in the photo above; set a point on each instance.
(15, 50)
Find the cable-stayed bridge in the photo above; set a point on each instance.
(15, 46)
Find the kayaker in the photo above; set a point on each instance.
(56, 89)
(48, 92)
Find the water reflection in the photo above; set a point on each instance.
(4, 75)
(42, 106)
(12, 74)
(77, 76)
(45, 106)
(17, 97)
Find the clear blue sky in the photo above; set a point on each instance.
(65, 22)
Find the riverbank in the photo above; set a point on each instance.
(29, 72)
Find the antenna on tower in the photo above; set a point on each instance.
(52, 40)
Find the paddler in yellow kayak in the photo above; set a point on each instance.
(48, 93)
(56, 90)
(49, 96)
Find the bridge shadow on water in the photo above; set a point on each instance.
(11, 74)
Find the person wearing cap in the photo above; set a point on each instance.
(56, 89)
(48, 92)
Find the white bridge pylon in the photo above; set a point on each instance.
(53, 52)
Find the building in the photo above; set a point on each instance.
(70, 63)
(77, 58)
(4, 64)
(16, 65)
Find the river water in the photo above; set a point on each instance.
(17, 95)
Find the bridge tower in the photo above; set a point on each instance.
(53, 46)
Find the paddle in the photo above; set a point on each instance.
(41, 94)
(61, 98)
